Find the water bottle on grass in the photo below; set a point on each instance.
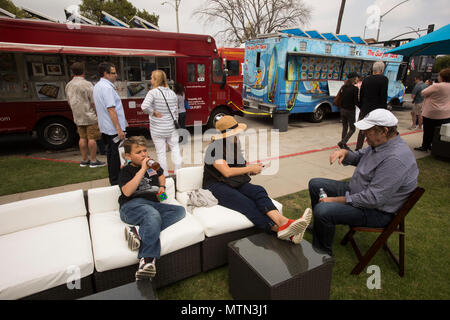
(322, 194)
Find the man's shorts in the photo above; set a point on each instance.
(417, 108)
(90, 132)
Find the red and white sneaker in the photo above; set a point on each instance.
(295, 227)
(307, 215)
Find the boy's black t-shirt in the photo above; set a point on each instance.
(143, 191)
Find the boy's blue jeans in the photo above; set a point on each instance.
(328, 214)
(151, 217)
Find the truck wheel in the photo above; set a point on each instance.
(318, 115)
(216, 114)
(56, 133)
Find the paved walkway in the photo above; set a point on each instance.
(303, 154)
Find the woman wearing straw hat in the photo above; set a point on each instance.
(226, 175)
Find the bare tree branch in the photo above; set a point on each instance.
(245, 19)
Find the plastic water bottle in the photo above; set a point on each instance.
(322, 194)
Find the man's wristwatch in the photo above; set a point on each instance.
(162, 187)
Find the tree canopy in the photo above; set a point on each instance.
(8, 5)
(441, 62)
(245, 19)
(121, 9)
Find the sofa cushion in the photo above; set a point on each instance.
(100, 199)
(189, 178)
(26, 214)
(217, 220)
(41, 258)
(107, 231)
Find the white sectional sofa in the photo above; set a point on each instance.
(45, 244)
(115, 264)
(48, 242)
(221, 225)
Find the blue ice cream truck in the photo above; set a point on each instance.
(296, 71)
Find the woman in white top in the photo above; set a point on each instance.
(162, 128)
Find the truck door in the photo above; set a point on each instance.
(194, 74)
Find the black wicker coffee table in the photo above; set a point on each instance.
(138, 290)
(263, 267)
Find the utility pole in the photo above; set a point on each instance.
(176, 6)
(341, 13)
(381, 17)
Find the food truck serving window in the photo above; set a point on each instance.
(300, 67)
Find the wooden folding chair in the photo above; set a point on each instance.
(397, 225)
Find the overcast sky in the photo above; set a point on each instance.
(412, 14)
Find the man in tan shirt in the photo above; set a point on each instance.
(79, 95)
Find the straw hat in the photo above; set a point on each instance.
(228, 127)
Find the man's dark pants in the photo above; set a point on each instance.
(113, 158)
(328, 214)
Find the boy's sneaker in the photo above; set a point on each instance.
(97, 164)
(295, 227)
(147, 269)
(85, 163)
(132, 238)
(307, 215)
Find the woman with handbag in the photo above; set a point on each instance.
(349, 99)
(227, 175)
(161, 104)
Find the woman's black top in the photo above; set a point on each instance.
(232, 154)
(349, 97)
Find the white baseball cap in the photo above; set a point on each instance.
(377, 117)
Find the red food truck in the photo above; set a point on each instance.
(233, 59)
(35, 59)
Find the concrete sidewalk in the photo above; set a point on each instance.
(303, 151)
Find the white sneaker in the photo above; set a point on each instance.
(307, 215)
(132, 237)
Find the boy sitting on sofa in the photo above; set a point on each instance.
(140, 206)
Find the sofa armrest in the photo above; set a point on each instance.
(182, 198)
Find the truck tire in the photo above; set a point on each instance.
(318, 115)
(216, 114)
(56, 133)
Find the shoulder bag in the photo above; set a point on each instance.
(175, 122)
(338, 99)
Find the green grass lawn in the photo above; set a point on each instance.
(427, 261)
(427, 257)
(21, 174)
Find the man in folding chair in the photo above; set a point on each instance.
(385, 175)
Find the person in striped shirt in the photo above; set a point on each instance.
(161, 104)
